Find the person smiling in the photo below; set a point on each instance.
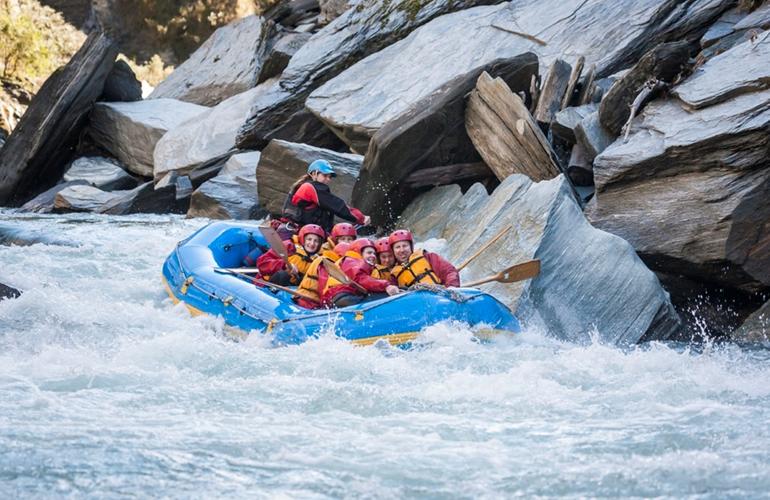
(310, 200)
(418, 266)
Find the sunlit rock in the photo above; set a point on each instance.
(130, 130)
(592, 283)
(228, 63)
(100, 172)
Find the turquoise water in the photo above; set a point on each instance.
(109, 390)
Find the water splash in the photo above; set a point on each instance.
(108, 389)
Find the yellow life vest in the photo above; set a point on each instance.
(301, 259)
(381, 272)
(416, 270)
(309, 284)
(332, 282)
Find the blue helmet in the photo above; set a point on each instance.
(321, 166)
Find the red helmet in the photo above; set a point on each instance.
(400, 235)
(341, 248)
(382, 245)
(360, 244)
(311, 229)
(343, 229)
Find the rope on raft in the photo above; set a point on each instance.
(440, 290)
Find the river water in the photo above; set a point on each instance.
(107, 389)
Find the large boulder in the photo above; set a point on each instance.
(232, 194)
(355, 104)
(356, 33)
(228, 63)
(280, 53)
(82, 199)
(282, 163)
(208, 136)
(591, 285)
(690, 185)
(100, 172)
(44, 202)
(431, 134)
(226, 197)
(130, 130)
(40, 147)
(756, 328)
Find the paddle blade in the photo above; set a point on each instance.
(335, 271)
(274, 241)
(519, 272)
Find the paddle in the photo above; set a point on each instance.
(486, 245)
(235, 272)
(519, 272)
(275, 242)
(337, 273)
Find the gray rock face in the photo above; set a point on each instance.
(282, 163)
(723, 27)
(44, 202)
(36, 153)
(689, 187)
(592, 136)
(332, 9)
(756, 328)
(355, 34)
(142, 199)
(591, 282)
(280, 53)
(431, 134)
(208, 136)
(81, 199)
(130, 130)
(226, 197)
(742, 69)
(242, 164)
(121, 84)
(760, 19)
(355, 104)
(99, 172)
(228, 63)
(566, 120)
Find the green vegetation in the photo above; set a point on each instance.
(34, 40)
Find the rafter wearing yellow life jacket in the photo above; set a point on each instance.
(309, 286)
(349, 254)
(381, 272)
(416, 270)
(301, 259)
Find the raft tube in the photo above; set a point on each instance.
(191, 276)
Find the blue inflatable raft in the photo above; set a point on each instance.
(192, 275)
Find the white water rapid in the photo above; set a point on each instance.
(109, 390)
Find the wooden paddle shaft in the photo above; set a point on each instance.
(486, 245)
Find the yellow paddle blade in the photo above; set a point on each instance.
(518, 272)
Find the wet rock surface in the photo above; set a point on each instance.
(756, 328)
(282, 163)
(131, 130)
(102, 173)
(604, 290)
(228, 63)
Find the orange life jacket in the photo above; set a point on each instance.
(416, 270)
